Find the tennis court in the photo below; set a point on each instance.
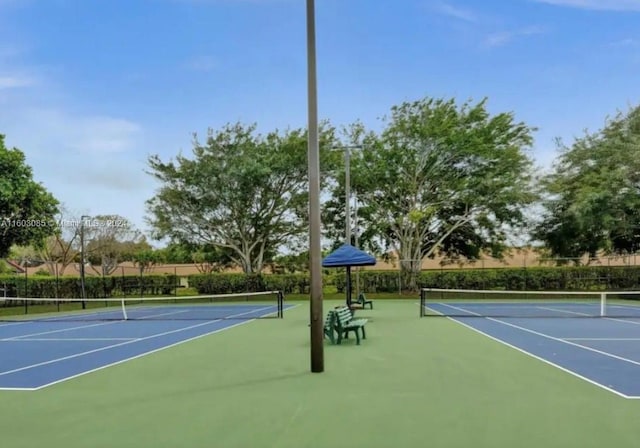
(414, 382)
(593, 336)
(55, 340)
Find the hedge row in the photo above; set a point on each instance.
(539, 278)
(235, 283)
(95, 287)
(581, 278)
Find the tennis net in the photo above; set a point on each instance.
(504, 303)
(250, 305)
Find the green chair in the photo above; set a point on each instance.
(362, 301)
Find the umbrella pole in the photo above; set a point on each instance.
(348, 286)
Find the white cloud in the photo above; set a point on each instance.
(504, 37)
(87, 158)
(8, 50)
(456, 12)
(498, 39)
(202, 64)
(212, 2)
(88, 134)
(11, 82)
(601, 5)
(628, 42)
(106, 172)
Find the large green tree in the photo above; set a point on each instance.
(204, 257)
(364, 234)
(443, 178)
(240, 191)
(592, 201)
(27, 209)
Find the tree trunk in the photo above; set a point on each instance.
(410, 266)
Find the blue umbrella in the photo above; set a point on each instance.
(348, 256)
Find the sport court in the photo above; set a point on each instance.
(414, 382)
(42, 349)
(593, 336)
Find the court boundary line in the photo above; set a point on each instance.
(66, 339)
(51, 316)
(602, 339)
(140, 355)
(539, 358)
(100, 349)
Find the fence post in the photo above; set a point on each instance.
(141, 282)
(526, 272)
(26, 289)
(104, 284)
(57, 281)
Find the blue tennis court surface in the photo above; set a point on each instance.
(604, 351)
(39, 353)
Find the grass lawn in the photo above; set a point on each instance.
(412, 383)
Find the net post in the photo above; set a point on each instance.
(124, 310)
(603, 304)
(422, 301)
(280, 304)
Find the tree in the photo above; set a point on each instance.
(61, 248)
(242, 192)
(292, 263)
(175, 253)
(110, 239)
(364, 233)
(210, 259)
(24, 256)
(444, 179)
(145, 259)
(592, 197)
(206, 258)
(27, 209)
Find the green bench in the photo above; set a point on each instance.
(363, 302)
(340, 322)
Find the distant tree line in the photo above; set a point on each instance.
(440, 178)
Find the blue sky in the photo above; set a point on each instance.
(90, 88)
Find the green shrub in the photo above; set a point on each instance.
(592, 278)
(217, 283)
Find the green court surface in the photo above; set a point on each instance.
(412, 383)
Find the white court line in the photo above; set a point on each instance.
(8, 324)
(616, 319)
(86, 326)
(66, 339)
(555, 310)
(150, 352)
(601, 339)
(145, 353)
(15, 338)
(544, 335)
(76, 355)
(577, 375)
(54, 316)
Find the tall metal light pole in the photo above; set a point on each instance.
(347, 194)
(82, 261)
(347, 190)
(315, 248)
(356, 242)
(347, 206)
